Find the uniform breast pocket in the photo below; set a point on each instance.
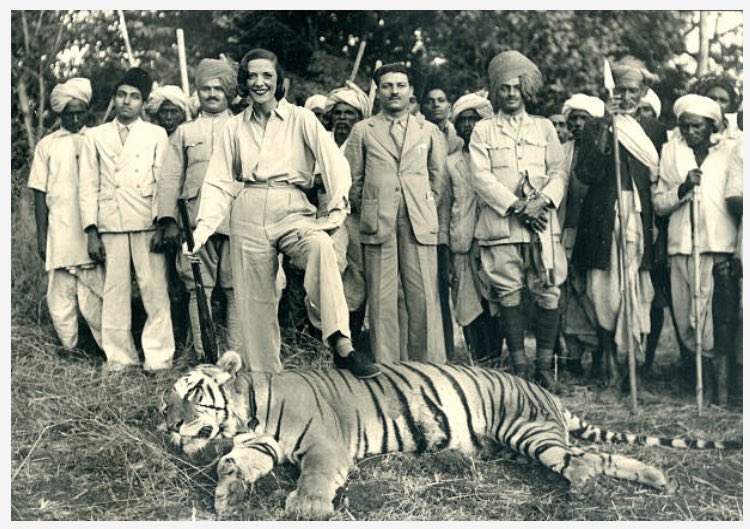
(197, 152)
(534, 152)
(500, 157)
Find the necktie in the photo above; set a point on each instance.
(397, 133)
(124, 133)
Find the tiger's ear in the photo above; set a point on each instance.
(230, 361)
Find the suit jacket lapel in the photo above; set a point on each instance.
(414, 128)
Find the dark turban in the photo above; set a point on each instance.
(137, 78)
(510, 65)
(707, 82)
(217, 69)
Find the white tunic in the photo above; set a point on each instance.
(54, 171)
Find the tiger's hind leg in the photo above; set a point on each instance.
(622, 467)
(249, 460)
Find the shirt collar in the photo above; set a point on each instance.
(224, 113)
(282, 110)
(502, 117)
(403, 119)
(129, 126)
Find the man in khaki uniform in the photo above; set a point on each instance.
(120, 163)
(398, 172)
(74, 280)
(183, 170)
(519, 175)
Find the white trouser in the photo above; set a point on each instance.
(150, 273)
(71, 288)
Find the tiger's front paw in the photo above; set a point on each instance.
(231, 490)
(308, 506)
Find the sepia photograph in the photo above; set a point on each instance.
(486, 266)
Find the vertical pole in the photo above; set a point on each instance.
(694, 232)
(183, 62)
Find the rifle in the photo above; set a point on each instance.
(208, 335)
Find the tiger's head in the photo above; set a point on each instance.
(199, 407)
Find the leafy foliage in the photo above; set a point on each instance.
(317, 49)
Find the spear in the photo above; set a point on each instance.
(609, 84)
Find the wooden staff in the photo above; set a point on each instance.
(609, 83)
(694, 239)
(357, 60)
(373, 86)
(183, 62)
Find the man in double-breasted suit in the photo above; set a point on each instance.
(398, 175)
(120, 161)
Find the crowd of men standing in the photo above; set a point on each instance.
(407, 221)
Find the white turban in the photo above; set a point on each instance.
(350, 94)
(472, 102)
(171, 93)
(62, 94)
(698, 105)
(652, 100)
(593, 105)
(316, 101)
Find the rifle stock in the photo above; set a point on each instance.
(208, 335)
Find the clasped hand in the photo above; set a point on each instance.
(533, 213)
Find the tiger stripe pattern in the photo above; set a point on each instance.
(324, 420)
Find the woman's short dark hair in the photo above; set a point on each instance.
(396, 67)
(243, 75)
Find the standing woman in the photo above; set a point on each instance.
(257, 176)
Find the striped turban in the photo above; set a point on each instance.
(698, 105)
(63, 93)
(171, 93)
(350, 94)
(209, 69)
(316, 102)
(593, 105)
(472, 102)
(511, 65)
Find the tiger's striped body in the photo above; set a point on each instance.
(323, 420)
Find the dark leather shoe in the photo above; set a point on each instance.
(359, 365)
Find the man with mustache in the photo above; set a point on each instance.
(183, 170)
(597, 248)
(520, 179)
(693, 160)
(398, 176)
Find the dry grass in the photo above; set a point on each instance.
(85, 447)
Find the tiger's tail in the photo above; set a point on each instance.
(588, 432)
